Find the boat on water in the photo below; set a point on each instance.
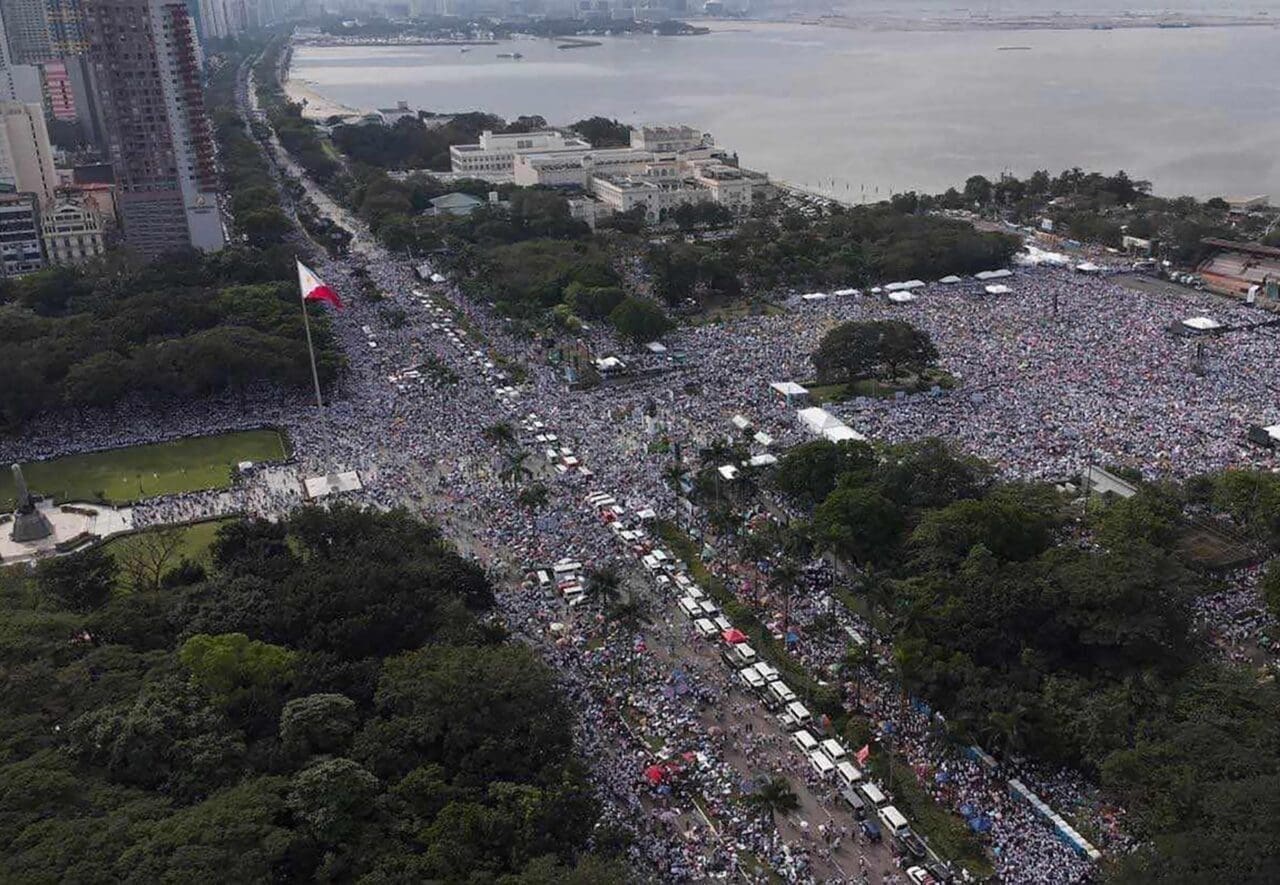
(465, 49)
(1011, 48)
(510, 55)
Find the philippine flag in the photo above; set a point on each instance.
(313, 289)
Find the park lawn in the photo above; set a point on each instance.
(137, 472)
(197, 538)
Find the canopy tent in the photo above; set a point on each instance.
(1088, 267)
(656, 347)
(733, 636)
(906, 286)
(815, 296)
(654, 775)
(740, 422)
(1201, 324)
(763, 438)
(822, 423)
(993, 274)
(902, 297)
(764, 460)
(844, 292)
(997, 289)
(728, 471)
(950, 279)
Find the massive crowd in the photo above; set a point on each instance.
(1041, 395)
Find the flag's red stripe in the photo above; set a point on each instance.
(323, 293)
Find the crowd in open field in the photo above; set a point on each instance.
(1040, 395)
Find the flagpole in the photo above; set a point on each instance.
(311, 352)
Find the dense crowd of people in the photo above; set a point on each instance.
(1041, 395)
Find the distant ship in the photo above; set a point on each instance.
(510, 55)
(465, 49)
(1010, 48)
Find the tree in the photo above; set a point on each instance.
(146, 556)
(81, 581)
(169, 738)
(639, 319)
(245, 675)
(317, 724)
(773, 797)
(810, 471)
(881, 347)
(604, 585)
(333, 798)
(859, 524)
(1271, 587)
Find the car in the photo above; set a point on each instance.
(870, 829)
(855, 803)
(920, 876)
(913, 845)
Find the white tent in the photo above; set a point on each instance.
(822, 423)
(656, 347)
(789, 388)
(993, 274)
(763, 438)
(728, 471)
(843, 292)
(764, 460)
(997, 289)
(904, 286)
(1088, 267)
(1201, 324)
(950, 280)
(902, 297)
(740, 422)
(815, 296)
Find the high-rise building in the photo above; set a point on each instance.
(26, 158)
(17, 82)
(20, 241)
(27, 27)
(66, 27)
(145, 73)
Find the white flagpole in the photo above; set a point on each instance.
(311, 351)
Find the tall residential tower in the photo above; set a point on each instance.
(145, 72)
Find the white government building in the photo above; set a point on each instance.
(665, 167)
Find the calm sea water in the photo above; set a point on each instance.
(1195, 110)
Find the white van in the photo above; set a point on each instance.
(804, 742)
(848, 772)
(779, 694)
(872, 794)
(739, 655)
(768, 671)
(690, 607)
(894, 821)
(709, 608)
(819, 762)
(834, 749)
(705, 628)
(566, 567)
(751, 678)
(800, 713)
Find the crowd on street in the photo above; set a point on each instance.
(1040, 395)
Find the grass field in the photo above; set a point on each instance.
(196, 540)
(124, 475)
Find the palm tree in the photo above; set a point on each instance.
(855, 658)
(784, 581)
(500, 433)
(1007, 726)
(773, 796)
(629, 614)
(603, 585)
(514, 471)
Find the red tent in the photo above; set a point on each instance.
(733, 636)
(654, 775)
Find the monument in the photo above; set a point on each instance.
(29, 524)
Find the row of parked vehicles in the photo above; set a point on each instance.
(828, 757)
